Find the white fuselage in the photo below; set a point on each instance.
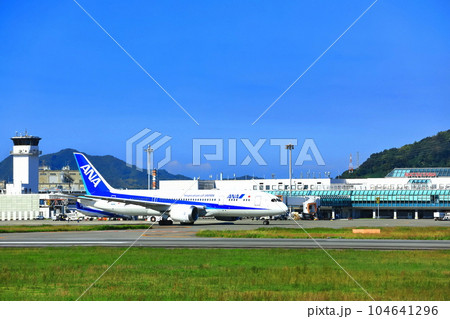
(215, 203)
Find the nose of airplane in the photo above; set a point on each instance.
(281, 207)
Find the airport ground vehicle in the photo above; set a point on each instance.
(441, 216)
(59, 217)
(310, 208)
(69, 216)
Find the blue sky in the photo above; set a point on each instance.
(384, 84)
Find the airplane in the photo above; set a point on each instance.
(183, 207)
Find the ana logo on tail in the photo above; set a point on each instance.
(90, 174)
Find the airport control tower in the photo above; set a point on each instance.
(26, 163)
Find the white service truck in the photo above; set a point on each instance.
(310, 206)
(69, 216)
(441, 216)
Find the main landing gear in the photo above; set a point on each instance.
(165, 221)
(265, 222)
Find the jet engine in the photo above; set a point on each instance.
(184, 214)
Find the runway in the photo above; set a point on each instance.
(247, 224)
(184, 238)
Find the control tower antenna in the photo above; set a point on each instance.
(350, 165)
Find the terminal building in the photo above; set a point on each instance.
(63, 180)
(403, 193)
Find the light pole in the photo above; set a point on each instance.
(378, 204)
(149, 151)
(378, 210)
(290, 147)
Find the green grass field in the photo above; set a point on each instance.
(66, 227)
(436, 233)
(221, 274)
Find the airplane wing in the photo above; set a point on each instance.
(161, 207)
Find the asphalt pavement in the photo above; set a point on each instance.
(247, 224)
(184, 237)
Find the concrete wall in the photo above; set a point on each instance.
(19, 207)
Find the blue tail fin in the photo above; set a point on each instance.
(94, 183)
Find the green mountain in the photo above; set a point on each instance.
(432, 151)
(6, 169)
(114, 170)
